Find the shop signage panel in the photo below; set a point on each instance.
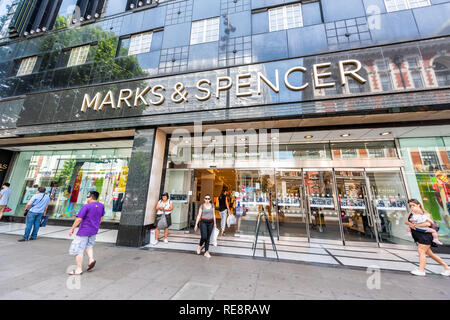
(5, 160)
(337, 82)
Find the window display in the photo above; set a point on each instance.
(427, 167)
(69, 176)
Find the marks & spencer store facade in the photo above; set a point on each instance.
(326, 117)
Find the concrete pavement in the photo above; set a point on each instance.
(37, 270)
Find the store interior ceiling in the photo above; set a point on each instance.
(113, 144)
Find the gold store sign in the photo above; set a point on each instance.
(133, 98)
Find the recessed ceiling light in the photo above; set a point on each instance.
(274, 138)
(243, 139)
(345, 135)
(385, 133)
(309, 137)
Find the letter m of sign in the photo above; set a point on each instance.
(89, 103)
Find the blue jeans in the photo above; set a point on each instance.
(33, 220)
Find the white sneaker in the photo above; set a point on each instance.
(166, 241)
(437, 242)
(155, 242)
(418, 273)
(446, 273)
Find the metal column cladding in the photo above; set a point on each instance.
(21, 17)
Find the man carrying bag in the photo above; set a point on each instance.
(34, 210)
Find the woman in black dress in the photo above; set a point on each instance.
(424, 243)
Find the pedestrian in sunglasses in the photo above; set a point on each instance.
(207, 219)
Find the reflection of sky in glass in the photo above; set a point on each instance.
(4, 5)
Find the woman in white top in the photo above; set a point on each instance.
(163, 219)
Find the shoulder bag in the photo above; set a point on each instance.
(32, 205)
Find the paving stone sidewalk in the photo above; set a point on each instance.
(37, 270)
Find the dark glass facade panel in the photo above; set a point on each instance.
(260, 22)
(311, 13)
(203, 56)
(235, 25)
(154, 18)
(132, 23)
(306, 40)
(335, 10)
(177, 35)
(270, 46)
(396, 26)
(180, 11)
(65, 13)
(114, 7)
(174, 60)
(433, 21)
(9, 113)
(231, 6)
(204, 9)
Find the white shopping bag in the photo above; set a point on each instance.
(214, 235)
(152, 235)
(231, 220)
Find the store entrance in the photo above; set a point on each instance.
(312, 204)
(249, 192)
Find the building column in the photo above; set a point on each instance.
(144, 170)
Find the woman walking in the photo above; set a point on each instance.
(224, 210)
(207, 219)
(163, 218)
(424, 242)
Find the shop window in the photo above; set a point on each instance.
(69, 176)
(78, 56)
(206, 30)
(27, 66)
(285, 17)
(396, 5)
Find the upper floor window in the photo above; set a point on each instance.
(78, 56)
(27, 66)
(285, 17)
(396, 5)
(140, 43)
(206, 30)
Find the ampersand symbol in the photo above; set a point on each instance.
(179, 92)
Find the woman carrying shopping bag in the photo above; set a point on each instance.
(207, 219)
(224, 210)
(163, 218)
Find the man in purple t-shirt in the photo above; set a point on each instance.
(89, 218)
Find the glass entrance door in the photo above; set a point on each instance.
(291, 213)
(357, 218)
(324, 221)
(254, 193)
(389, 199)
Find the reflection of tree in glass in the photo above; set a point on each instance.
(101, 64)
(66, 173)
